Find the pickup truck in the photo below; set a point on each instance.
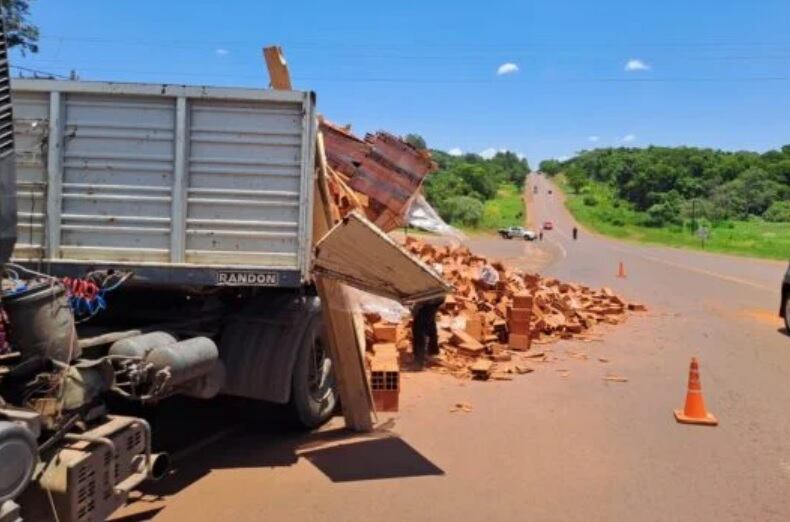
(517, 232)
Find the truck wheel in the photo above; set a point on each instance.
(313, 392)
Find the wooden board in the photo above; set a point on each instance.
(344, 349)
(279, 78)
(359, 254)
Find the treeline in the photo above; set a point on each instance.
(464, 183)
(677, 185)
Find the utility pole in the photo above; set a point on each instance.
(694, 213)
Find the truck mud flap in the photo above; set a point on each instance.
(259, 344)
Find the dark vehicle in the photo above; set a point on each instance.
(548, 225)
(784, 307)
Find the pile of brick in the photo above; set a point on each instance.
(495, 314)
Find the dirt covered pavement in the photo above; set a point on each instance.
(562, 443)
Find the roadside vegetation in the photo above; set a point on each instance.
(472, 192)
(736, 202)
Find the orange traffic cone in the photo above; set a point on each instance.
(621, 270)
(694, 411)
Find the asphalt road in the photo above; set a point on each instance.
(551, 445)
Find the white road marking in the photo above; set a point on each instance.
(562, 248)
(702, 271)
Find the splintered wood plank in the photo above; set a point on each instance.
(279, 77)
(344, 349)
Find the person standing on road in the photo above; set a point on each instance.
(540, 235)
(425, 337)
(575, 233)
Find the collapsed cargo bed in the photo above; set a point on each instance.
(184, 185)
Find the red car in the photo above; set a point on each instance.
(548, 225)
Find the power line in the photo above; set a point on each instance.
(320, 45)
(423, 80)
(39, 72)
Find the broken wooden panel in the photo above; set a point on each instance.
(359, 254)
(382, 167)
(345, 349)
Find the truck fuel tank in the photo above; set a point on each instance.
(186, 360)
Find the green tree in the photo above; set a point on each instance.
(479, 179)
(19, 31)
(781, 171)
(757, 190)
(462, 210)
(779, 211)
(550, 167)
(665, 212)
(726, 185)
(576, 177)
(511, 168)
(462, 179)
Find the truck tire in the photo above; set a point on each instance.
(313, 391)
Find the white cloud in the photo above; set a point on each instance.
(520, 155)
(455, 152)
(593, 138)
(564, 158)
(629, 138)
(221, 52)
(636, 65)
(507, 68)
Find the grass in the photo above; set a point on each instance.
(505, 210)
(755, 238)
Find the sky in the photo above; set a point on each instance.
(545, 79)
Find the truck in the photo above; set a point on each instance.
(160, 241)
(516, 232)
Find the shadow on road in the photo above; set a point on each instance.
(143, 516)
(389, 457)
(268, 441)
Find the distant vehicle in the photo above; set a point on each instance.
(548, 225)
(784, 307)
(517, 232)
(535, 189)
(550, 192)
